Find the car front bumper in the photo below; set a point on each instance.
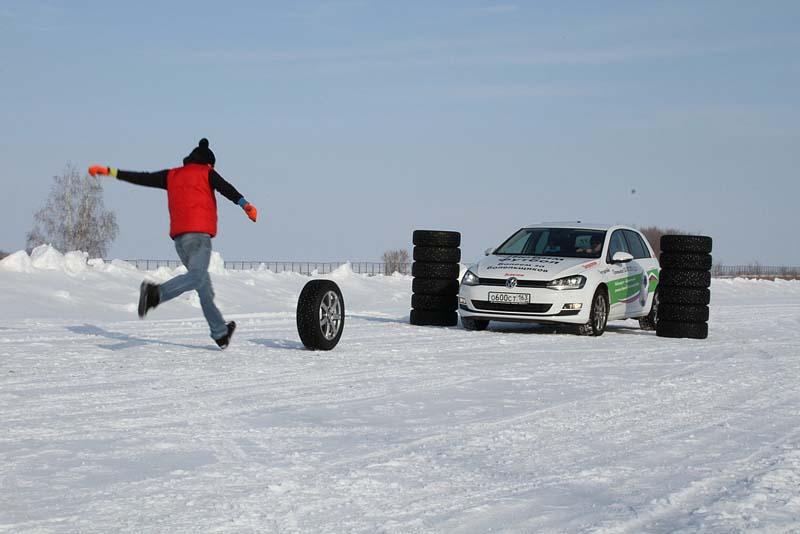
(546, 305)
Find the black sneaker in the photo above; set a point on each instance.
(148, 298)
(225, 340)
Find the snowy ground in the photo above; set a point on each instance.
(111, 424)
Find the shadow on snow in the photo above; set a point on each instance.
(127, 341)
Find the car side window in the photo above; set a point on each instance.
(637, 246)
(617, 244)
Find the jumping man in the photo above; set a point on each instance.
(193, 222)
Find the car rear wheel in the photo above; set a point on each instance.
(648, 322)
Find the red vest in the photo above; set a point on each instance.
(192, 204)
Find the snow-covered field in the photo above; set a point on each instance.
(111, 424)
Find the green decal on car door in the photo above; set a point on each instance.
(652, 275)
(624, 289)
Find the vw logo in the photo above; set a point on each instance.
(511, 283)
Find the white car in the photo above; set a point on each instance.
(573, 273)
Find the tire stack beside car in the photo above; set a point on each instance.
(437, 258)
(684, 286)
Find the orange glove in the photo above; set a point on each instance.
(251, 211)
(94, 170)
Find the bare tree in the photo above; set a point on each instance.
(396, 261)
(653, 235)
(74, 216)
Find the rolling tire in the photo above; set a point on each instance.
(424, 286)
(474, 324)
(598, 316)
(683, 313)
(433, 318)
(436, 238)
(681, 278)
(649, 321)
(689, 262)
(437, 254)
(438, 271)
(684, 295)
(682, 330)
(434, 302)
(685, 244)
(320, 315)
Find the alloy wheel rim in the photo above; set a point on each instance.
(599, 313)
(330, 315)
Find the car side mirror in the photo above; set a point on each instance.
(621, 257)
(488, 251)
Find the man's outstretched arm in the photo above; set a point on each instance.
(228, 191)
(147, 179)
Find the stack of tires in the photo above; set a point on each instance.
(683, 287)
(435, 286)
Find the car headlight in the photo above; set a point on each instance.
(470, 279)
(570, 282)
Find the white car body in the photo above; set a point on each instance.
(630, 285)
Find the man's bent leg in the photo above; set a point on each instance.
(195, 252)
(188, 247)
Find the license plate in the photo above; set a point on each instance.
(509, 298)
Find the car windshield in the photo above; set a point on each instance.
(563, 242)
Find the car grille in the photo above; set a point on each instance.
(520, 283)
(514, 308)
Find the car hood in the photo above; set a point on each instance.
(531, 267)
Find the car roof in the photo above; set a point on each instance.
(575, 224)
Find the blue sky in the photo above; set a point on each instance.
(351, 123)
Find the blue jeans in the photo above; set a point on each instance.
(194, 250)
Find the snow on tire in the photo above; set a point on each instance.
(686, 243)
(439, 271)
(690, 261)
(436, 238)
(684, 295)
(680, 329)
(434, 302)
(320, 315)
(433, 318)
(424, 286)
(437, 254)
(682, 278)
(683, 313)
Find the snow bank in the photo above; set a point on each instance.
(48, 258)
(217, 264)
(73, 287)
(18, 262)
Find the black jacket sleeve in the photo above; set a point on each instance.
(220, 184)
(147, 179)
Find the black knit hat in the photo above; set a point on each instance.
(201, 154)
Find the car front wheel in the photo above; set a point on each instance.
(598, 316)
